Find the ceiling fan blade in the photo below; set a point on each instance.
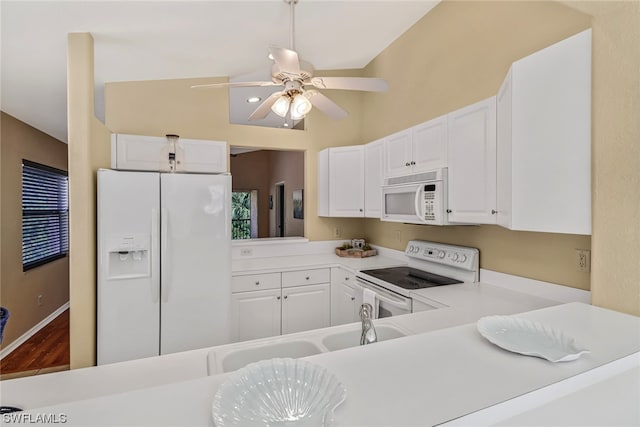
(286, 60)
(264, 108)
(234, 84)
(369, 84)
(325, 105)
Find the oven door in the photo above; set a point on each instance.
(389, 303)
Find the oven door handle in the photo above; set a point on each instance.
(386, 296)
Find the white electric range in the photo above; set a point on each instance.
(430, 264)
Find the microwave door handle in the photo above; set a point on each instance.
(417, 203)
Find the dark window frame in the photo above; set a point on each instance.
(45, 214)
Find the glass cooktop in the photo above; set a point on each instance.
(410, 278)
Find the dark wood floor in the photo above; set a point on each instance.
(46, 351)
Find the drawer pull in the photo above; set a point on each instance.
(307, 277)
(257, 283)
(346, 278)
(286, 296)
(278, 298)
(353, 298)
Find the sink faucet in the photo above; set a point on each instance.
(368, 331)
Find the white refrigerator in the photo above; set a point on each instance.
(164, 263)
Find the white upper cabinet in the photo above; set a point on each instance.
(472, 163)
(398, 153)
(429, 141)
(373, 169)
(544, 140)
(152, 153)
(418, 149)
(341, 181)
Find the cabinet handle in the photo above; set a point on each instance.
(346, 278)
(449, 211)
(307, 278)
(360, 210)
(412, 162)
(286, 296)
(407, 164)
(278, 298)
(353, 298)
(493, 211)
(257, 283)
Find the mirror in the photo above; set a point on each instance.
(268, 191)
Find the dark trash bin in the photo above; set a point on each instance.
(4, 316)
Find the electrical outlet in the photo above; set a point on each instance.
(583, 260)
(40, 300)
(246, 252)
(337, 232)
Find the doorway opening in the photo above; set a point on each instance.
(280, 209)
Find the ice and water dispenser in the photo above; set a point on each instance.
(129, 256)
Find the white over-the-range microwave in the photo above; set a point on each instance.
(416, 199)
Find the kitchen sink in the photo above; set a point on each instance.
(352, 338)
(240, 358)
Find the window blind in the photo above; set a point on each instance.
(45, 214)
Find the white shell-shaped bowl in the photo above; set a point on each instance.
(529, 338)
(278, 392)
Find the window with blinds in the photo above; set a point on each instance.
(45, 214)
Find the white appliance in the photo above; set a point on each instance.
(164, 263)
(416, 199)
(430, 264)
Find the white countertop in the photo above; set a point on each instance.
(241, 266)
(423, 379)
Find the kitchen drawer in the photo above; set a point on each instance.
(306, 277)
(255, 282)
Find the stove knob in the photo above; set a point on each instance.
(441, 254)
(463, 258)
(455, 257)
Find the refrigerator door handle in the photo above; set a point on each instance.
(155, 276)
(166, 272)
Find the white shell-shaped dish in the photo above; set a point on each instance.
(278, 392)
(529, 338)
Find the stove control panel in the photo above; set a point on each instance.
(454, 256)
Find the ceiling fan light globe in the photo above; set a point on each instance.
(281, 106)
(300, 106)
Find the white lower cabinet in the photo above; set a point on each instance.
(255, 314)
(283, 303)
(305, 307)
(346, 297)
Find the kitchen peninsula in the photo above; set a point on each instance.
(422, 379)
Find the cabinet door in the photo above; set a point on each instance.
(138, 152)
(397, 148)
(305, 308)
(202, 156)
(472, 163)
(346, 181)
(429, 142)
(504, 165)
(255, 314)
(343, 297)
(373, 169)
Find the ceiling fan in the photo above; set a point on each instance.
(299, 92)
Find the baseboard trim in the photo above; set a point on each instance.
(31, 332)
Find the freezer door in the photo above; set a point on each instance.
(195, 261)
(128, 266)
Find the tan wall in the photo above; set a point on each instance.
(250, 171)
(456, 55)
(19, 290)
(88, 151)
(615, 278)
(287, 167)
